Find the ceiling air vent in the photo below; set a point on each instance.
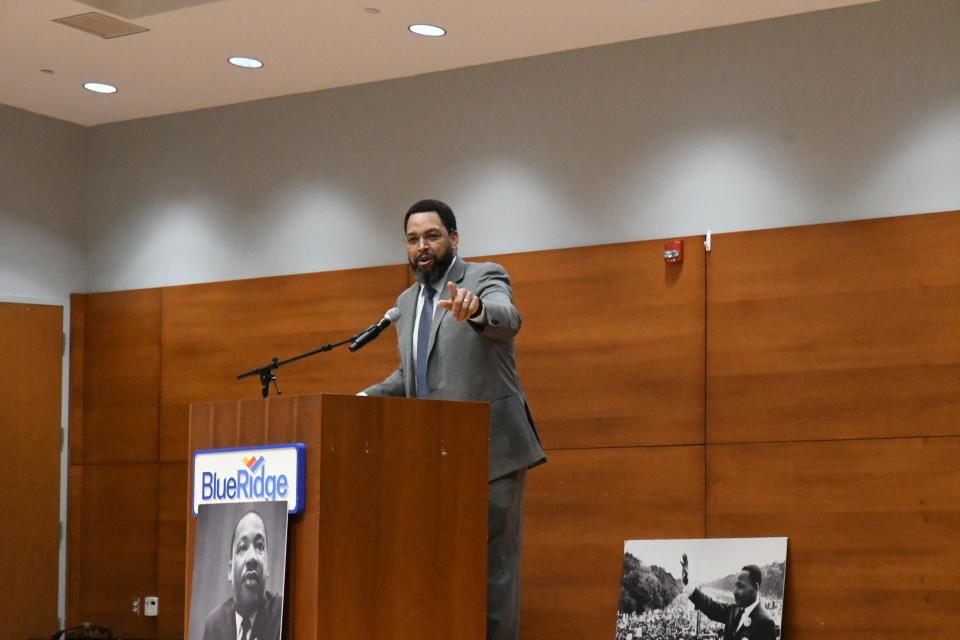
(133, 9)
(101, 25)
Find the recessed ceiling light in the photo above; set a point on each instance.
(99, 87)
(246, 63)
(428, 30)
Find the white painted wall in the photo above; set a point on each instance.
(851, 113)
(42, 248)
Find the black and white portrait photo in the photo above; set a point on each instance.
(238, 571)
(712, 589)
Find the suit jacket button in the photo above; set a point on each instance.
(495, 322)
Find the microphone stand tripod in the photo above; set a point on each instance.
(266, 375)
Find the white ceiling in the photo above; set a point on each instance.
(307, 45)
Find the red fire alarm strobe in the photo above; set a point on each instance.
(673, 251)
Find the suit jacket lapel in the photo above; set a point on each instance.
(733, 623)
(455, 275)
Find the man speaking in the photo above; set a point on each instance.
(455, 334)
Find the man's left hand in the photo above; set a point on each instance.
(462, 303)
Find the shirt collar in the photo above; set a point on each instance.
(239, 617)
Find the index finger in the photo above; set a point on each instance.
(452, 288)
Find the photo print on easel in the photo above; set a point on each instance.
(239, 566)
(702, 589)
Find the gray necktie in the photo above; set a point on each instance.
(423, 340)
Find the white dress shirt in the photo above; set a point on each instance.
(442, 282)
(240, 625)
(746, 613)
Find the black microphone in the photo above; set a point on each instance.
(374, 330)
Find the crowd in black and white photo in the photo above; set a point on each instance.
(678, 621)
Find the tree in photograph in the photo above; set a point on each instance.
(645, 588)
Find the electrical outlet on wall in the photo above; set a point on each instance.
(150, 605)
(135, 606)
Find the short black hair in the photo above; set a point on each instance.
(424, 206)
(756, 576)
(233, 538)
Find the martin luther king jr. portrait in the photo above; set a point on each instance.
(238, 572)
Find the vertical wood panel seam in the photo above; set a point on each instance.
(83, 391)
(159, 454)
(287, 615)
(296, 420)
(706, 449)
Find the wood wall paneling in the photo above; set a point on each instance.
(116, 551)
(173, 501)
(75, 558)
(30, 347)
(842, 330)
(580, 507)
(113, 542)
(612, 343)
(872, 527)
(75, 567)
(121, 377)
(212, 332)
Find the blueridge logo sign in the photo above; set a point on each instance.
(270, 472)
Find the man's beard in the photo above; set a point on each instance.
(431, 277)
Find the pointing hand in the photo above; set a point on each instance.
(462, 304)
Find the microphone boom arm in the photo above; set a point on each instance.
(266, 375)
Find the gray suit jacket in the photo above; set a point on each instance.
(470, 362)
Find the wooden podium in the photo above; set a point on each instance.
(392, 542)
